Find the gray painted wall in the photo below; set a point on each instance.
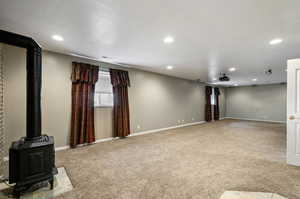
(156, 101)
(265, 102)
(14, 61)
(222, 102)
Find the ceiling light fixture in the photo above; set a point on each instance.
(254, 79)
(168, 40)
(169, 67)
(232, 69)
(235, 84)
(57, 38)
(275, 41)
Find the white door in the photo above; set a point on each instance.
(293, 112)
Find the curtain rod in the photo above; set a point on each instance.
(105, 69)
(98, 60)
(102, 68)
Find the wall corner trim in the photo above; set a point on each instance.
(134, 134)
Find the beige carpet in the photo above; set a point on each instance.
(199, 161)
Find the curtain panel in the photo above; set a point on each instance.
(120, 82)
(216, 106)
(208, 92)
(84, 78)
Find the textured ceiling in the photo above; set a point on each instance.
(210, 36)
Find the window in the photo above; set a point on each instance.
(212, 97)
(103, 91)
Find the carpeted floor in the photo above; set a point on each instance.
(199, 161)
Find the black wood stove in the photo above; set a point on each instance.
(32, 158)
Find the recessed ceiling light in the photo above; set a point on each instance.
(235, 84)
(275, 41)
(232, 69)
(254, 79)
(57, 38)
(169, 67)
(168, 40)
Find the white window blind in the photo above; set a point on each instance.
(103, 91)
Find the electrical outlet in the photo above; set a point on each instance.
(138, 126)
(193, 119)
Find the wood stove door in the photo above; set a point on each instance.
(36, 163)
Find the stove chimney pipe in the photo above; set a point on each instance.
(34, 80)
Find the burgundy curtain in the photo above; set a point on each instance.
(208, 92)
(84, 77)
(216, 106)
(120, 82)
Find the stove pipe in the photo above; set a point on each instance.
(34, 80)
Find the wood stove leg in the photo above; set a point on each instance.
(51, 183)
(16, 194)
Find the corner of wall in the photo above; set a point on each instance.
(2, 136)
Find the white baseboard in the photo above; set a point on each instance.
(257, 120)
(61, 148)
(131, 135)
(165, 129)
(67, 147)
(105, 140)
(135, 134)
(80, 145)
